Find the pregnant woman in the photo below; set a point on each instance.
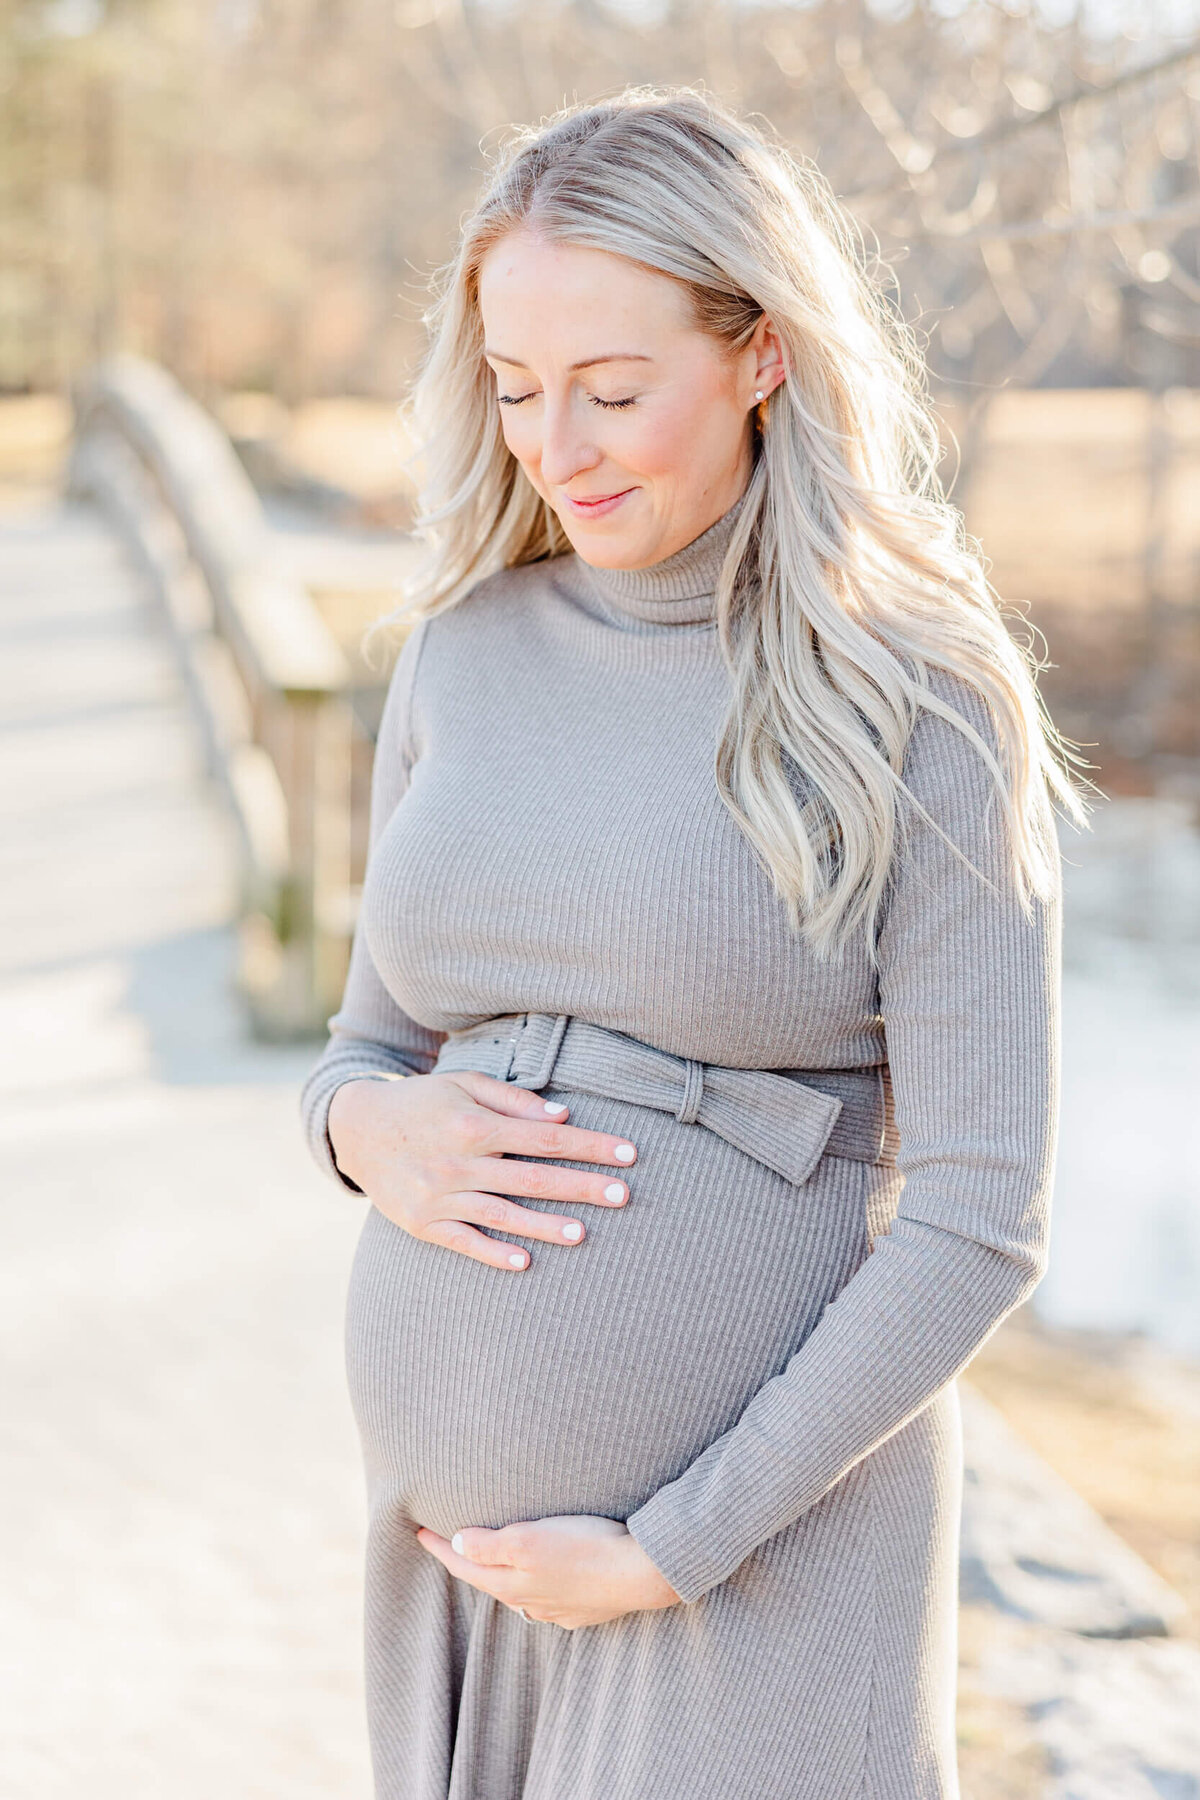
(698, 1052)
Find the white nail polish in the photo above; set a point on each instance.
(517, 1260)
(554, 1105)
(574, 1232)
(614, 1192)
(456, 1544)
(624, 1152)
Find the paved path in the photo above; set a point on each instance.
(180, 1487)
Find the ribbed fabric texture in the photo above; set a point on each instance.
(728, 1363)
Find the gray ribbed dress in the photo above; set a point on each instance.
(842, 1186)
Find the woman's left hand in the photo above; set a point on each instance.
(570, 1570)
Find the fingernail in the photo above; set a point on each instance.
(456, 1544)
(614, 1192)
(517, 1260)
(624, 1152)
(573, 1232)
(554, 1105)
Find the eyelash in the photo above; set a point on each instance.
(609, 405)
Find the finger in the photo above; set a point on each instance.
(494, 1549)
(455, 1234)
(501, 1583)
(522, 1137)
(504, 1097)
(501, 1215)
(543, 1181)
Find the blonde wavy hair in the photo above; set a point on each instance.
(849, 575)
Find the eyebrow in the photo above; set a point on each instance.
(589, 362)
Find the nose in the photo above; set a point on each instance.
(567, 446)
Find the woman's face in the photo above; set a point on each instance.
(629, 420)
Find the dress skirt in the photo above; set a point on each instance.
(823, 1668)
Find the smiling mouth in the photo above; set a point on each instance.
(597, 499)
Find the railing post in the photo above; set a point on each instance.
(315, 935)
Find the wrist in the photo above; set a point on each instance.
(644, 1578)
(344, 1118)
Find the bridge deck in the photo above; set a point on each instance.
(181, 1507)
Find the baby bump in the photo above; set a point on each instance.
(585, 1382)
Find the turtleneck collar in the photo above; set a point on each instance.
(680, 590)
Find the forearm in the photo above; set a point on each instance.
(370, 1035)
(905, 1325)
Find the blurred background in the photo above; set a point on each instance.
(217, 222)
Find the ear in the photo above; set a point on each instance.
(769, 365)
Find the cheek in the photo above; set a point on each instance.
(696, 429)
(519, 434)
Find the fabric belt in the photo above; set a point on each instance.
(787, 1119)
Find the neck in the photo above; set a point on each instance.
(680, 590)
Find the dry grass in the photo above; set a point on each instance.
(356, 446)
(1059, 493)
(35, 437)
(1120, 1420)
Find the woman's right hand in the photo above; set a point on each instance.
(435, 1153)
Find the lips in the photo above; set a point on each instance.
(593, 506)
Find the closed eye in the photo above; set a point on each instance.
(611, 405)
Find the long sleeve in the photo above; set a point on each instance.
(969, 995)
(370, 1035)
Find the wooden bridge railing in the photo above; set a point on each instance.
(272, 685)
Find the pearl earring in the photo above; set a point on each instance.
(758, 393)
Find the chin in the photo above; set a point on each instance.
(609, 556)
(611, 549)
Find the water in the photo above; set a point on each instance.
(1125, 1241)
